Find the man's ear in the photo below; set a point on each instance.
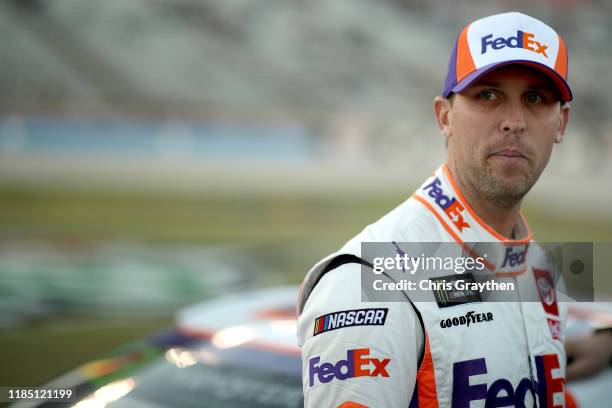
(442, 108)
(563, 119)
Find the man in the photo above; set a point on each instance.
(503, 108)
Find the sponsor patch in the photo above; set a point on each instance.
(546, 291)
(469, 318)
(502, 393)
(446, 293)
(555, 328)
(357, 364)
(515, 256)
(522, 39)
(450, 205)
(350, 318)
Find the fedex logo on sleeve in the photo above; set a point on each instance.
(357, 364)
(521, 40)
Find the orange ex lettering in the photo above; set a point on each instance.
(521, 40)
(454, 213)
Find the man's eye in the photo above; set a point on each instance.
(534, 98)
(487, 95)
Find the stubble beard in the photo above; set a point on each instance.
(502, 193)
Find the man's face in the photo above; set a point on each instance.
(501, 131)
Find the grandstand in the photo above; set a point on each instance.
(353, 78)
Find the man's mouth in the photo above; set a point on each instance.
(509, 153)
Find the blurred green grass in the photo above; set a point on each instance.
(286, 231)
(193, 218)
(213, 218)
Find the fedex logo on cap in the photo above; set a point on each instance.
(507, 38)
(357, 364)
(521, 40)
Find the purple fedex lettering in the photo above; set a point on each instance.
(463, 392)
(521, 40)
(356, 364)
(450, 206)
(501, 42)
(514, 258)
(501, 393)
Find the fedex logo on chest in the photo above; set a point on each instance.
(543, 387)
(521, 40)
(514, 257)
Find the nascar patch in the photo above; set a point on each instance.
(350, 318)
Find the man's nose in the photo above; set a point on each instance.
(514, 118)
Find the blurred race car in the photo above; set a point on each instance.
(236, 351)
(240, 350)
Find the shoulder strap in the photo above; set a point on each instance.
(348, 258)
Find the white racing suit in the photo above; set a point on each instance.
(360, 353)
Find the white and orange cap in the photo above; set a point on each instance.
(502, 39)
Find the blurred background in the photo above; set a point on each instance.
(156, 153)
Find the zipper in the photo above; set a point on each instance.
(529, 360)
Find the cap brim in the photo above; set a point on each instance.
(558, 81)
